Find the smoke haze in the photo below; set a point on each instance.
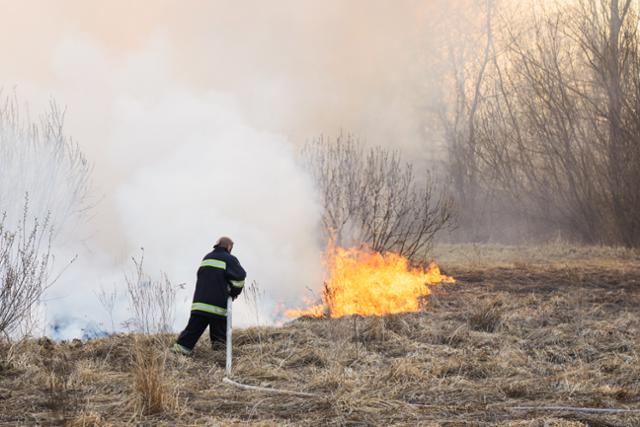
(190, 115)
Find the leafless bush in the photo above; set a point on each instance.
(107, 299)
(38, 159)
(25, 258)
(151, 300)
(370, 196)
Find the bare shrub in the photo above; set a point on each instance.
(38, 159)
(371, 197)
(107, 299)
(25, 257)
(151, 300)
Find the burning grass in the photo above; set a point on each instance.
(367, 283)
(503, 336)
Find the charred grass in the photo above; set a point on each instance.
(509, 334)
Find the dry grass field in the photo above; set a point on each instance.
(554, 325)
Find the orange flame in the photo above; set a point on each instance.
(368, 283)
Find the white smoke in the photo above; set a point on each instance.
(221, 177)
(177, 168)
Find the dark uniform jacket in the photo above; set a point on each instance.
(220, 275)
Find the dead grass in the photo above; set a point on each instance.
(58, 384)
(557, 333)
(553, 253)
(152, 391)
(486, 315)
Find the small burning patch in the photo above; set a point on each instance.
(369, 283)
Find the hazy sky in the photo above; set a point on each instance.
(301, 67)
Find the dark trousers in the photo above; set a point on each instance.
(196, 326)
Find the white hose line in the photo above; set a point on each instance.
(227, 369)
(267, 389)
(229, 364)
(572, 409)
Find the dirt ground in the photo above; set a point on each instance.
(555, 326)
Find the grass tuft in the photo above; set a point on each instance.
(151, 392)
(487, 315)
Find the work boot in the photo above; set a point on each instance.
(218, 346)
(180, 349)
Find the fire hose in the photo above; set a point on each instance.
(229, 363)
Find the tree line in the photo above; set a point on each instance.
(542, 121)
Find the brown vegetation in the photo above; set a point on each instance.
(509, 333)
(151, 389)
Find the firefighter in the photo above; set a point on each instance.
(220, 275)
